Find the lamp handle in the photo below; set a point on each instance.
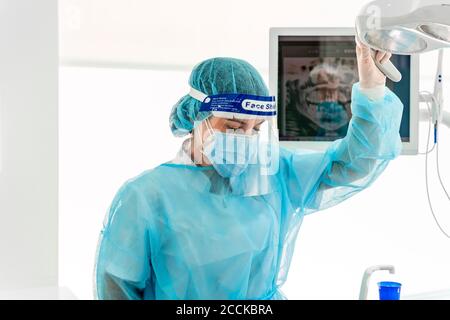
(387, 68)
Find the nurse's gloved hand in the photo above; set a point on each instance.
(369, 74)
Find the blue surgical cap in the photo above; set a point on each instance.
(214, 76)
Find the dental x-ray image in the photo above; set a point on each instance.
(317, 96)
(315, 78)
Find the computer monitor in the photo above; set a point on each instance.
(307, 64)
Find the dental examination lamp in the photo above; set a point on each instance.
(406, 27)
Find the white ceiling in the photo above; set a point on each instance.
(177, 34)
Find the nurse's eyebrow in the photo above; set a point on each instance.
(237, 120)
(244, 122)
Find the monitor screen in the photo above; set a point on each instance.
(315, 78)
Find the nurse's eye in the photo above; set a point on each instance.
(233, 125)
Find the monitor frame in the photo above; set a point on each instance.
(408, 148)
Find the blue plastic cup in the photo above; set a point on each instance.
(389, 290)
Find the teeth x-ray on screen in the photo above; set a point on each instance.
(316, 75)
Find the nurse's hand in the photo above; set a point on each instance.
(369, 75)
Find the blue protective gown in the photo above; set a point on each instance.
(173, 232)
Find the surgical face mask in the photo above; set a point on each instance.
(230, 153)
(329, 115)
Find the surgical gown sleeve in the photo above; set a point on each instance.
(319, 180)
(123, 262)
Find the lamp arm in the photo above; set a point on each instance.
(438, 92)
(436, 99)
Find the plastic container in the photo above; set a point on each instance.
(389, 290)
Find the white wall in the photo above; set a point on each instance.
(28, 142)
(113, 119)
(114, 124)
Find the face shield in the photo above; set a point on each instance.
(240, 140)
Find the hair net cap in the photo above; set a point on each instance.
(214, 76)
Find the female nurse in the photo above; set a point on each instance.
(198, 227)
